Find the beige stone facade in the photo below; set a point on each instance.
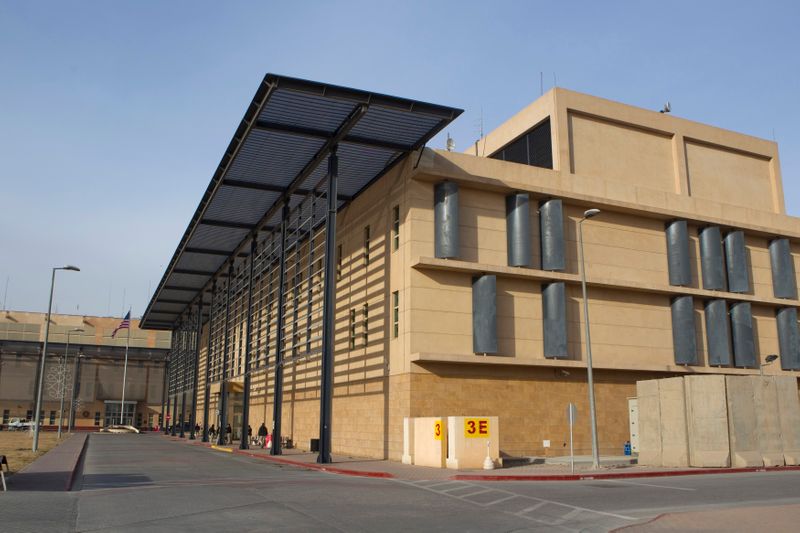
(100, 370)
(642, 169)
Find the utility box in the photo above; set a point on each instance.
(469, 437)
(429, 438)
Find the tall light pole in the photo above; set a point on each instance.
(37, 417)
(64, 379)
(589, 213)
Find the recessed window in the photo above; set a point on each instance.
(366, 245)
(395, 314)
(533, 148)
(365, 324)
(395, 228)
(339, 262)
(52, 418)
(352, 329)
(97, 418)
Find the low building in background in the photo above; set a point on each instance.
(94, 356)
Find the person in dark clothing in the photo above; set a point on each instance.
(262, 434)
(228, 433)
(212, 432)
(197, 428)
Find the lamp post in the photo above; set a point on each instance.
(589, 213)
(37, 417)
(64, 379)
(767, 361)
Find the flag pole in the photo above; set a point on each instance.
(125, 376)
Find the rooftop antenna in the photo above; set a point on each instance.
(451, 145)
(541, 83)
(5, 293)
(555, 83)
(667, 108)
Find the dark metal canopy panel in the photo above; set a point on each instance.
(277, 156)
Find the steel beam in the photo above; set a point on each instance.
(207, 386)
(277, 403)
(314, 133)
(223, 389)
(225, 224)
(267, 187)
(206, 251)
(243, 443)
(309, 281)
(328, 314)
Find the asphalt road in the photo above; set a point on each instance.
(147, 483)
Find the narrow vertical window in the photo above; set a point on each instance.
(365, 324)
(339, 262)
(352, 329)
(366, 245)
(395, 314)
(395, 228)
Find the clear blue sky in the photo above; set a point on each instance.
(114, 115)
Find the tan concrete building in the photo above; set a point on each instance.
(91, 355)
(452, 299)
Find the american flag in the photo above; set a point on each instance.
(125, 324)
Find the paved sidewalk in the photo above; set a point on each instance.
(54, 471)
(776, 518)
(533, 472)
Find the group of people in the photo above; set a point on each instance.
(262, 440)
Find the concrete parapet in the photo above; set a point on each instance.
(768, 426)
(789, 413)
(742, 423)
(707, 421)
(649, 403)
(674, 442)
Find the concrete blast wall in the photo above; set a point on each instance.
(719, 421)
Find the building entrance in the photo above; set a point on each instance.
(113, 411)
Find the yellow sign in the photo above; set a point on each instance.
(476, 428)
(437, 430)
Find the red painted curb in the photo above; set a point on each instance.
(622, 475)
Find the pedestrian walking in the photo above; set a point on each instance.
(228, 433)
(262, 435)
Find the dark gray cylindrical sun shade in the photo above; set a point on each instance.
(518, 229)
(554, 313)
(736, 260)
(718, 338)
(680, 272)
(445, 220)
(784, 284)
(684, 343)
(788, 338)
(711, 258)
(551, 225)
(484, 314)
(744, 346)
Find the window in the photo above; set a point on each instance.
(366, 245)
(339, 262)
(52, 418)
(532, 148)
(395, 314)
(352, 328)
(138, 420)
(97, 418)
(395, 228)
(29, 414)
(365, 325)
(5, 416)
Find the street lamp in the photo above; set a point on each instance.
(64, 379)
(767, 361)
(589, 213)
(37, 417)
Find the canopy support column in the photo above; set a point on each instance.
(195, 375)
(277, 403)
(223, 384)
(184, 376)
(328, 313)
(207, 386)
(244, 444)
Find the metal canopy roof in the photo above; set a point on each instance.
(277, 156)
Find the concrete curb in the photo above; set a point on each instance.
(78, 461)
(622, 475)
(512, 477)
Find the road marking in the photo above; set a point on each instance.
(647, 484)
(220, 448)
